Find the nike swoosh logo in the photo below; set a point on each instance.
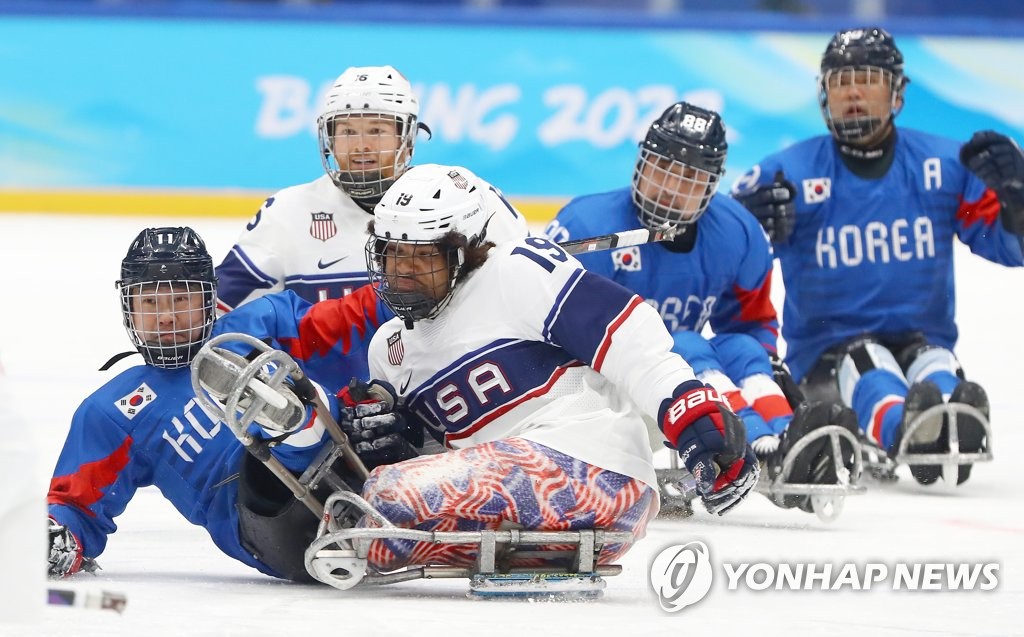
(405, 385)
(320, 264)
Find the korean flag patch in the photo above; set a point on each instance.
(627, 259)
(817, 190)
(136, 401)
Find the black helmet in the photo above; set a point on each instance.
(169, 271)
(868, 49)
(688, 135)
(873, 46)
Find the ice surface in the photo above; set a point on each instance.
(60, 321)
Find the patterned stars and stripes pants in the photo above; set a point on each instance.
(510, 483)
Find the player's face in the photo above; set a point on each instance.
(416, 267)
(673, 186)
(368, 147)
(861, 93)
(167, 313)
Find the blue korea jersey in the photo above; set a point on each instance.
(725, 279)
(145, 427)
(876, 255)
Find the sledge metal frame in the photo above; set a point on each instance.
(678, 488)
(883, 466)
(827, 500)
(246, 371)
(346, 565)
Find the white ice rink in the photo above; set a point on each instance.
(60, 321)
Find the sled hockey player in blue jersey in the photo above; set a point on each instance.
(145, 426)
(536, 373)
(863, 221)
(715, 271)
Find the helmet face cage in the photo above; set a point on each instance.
(668, 192)
(168, 321)
(168, 295)
(367, 131)
(860, 89)
(364, 153)
(680, 162)
(415, 279)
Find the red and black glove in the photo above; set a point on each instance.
(711, 440)
(999, 162)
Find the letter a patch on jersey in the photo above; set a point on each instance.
(627, 259)
(395, 349)
(817, 190)
(136, 401)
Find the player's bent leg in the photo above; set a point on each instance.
(940, 366)
(746, 361)
(808, 456)
(273, 525)
(925, 436)
(972, 429)
(511, 483)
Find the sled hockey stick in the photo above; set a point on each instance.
(623, 239)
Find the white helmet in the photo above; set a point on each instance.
(432, 211)
(362, 159)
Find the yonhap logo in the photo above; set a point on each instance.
(681, 575)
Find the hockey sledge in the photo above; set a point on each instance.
(946, 419)
(256, 378)
(678, 489)
(827, 500)
(338, 556)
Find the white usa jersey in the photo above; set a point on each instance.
(308, 238)
(533, 346)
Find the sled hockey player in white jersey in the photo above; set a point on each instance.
(309, 238)
(536, 373)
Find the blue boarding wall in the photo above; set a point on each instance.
(193, 103)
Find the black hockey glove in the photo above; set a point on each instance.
(379, 435)
(998, 161)
(65, 555)
(711, 440)
(772, 204)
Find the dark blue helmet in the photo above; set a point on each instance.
(168, 292)
(873, 46)
(863, 57)
(681, 160)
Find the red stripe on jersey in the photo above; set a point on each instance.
(986, 210)
(509, 406)
(84, 488)
(329, 322)
(606, 342)
(756, 305)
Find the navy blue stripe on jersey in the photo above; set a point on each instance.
(487, 383)
(237, 277)
(583, 320)
(556, 307)
(340, 277)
